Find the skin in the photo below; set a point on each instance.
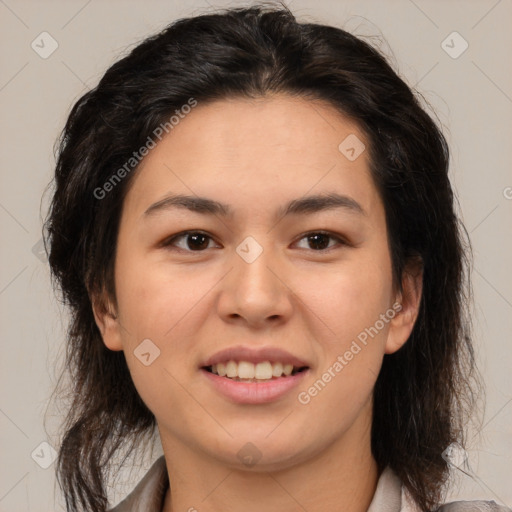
(255, 155)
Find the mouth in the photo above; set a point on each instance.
(246, 383)
(246, 375)
(245, 371)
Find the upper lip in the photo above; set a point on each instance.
(255, 356)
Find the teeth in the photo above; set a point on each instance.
(263, 371)
(221, 369)
(287, 369)
(277, 369)
(245, 370)
(231, 369)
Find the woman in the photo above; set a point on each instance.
(312, 351)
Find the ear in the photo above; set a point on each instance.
(107, 321)
(402, 323)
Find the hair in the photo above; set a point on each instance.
(424, 390)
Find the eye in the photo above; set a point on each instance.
(320, 240)
(195, 241)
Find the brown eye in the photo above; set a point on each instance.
(195, 241)
(318, 241)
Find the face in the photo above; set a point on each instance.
(271, 274)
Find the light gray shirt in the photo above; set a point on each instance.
(390, 495)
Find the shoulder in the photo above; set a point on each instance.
(149, 493)
(457, 506)
(474, 506)
(390, 495)
(409, 505)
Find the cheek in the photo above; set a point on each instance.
(156, 331)
(350, 298)
(166, 307)
(352, 357)
(152, 299)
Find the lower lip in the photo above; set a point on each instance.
(254, 392)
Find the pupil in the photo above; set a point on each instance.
(315, 242)
(194, 245)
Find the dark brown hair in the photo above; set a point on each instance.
(424, 391)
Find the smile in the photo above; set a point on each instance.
(240, 390)
(245, 371)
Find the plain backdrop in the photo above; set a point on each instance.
(470, 90)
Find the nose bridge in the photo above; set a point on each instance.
(255, 289)
(253, 267)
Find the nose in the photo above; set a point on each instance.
(256, 293)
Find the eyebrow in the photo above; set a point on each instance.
(305, 205)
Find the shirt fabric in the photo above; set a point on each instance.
(390, 495)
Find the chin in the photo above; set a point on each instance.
(262, 454)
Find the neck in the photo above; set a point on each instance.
(343, 476)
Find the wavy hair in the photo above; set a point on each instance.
(424, 391)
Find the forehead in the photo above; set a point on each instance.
(238, 127)
(275, 147)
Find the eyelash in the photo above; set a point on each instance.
(168, 243)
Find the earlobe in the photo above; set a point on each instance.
(107, 322)
(403, 322)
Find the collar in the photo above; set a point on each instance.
(390, 495)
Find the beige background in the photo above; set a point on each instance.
(472, 95)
